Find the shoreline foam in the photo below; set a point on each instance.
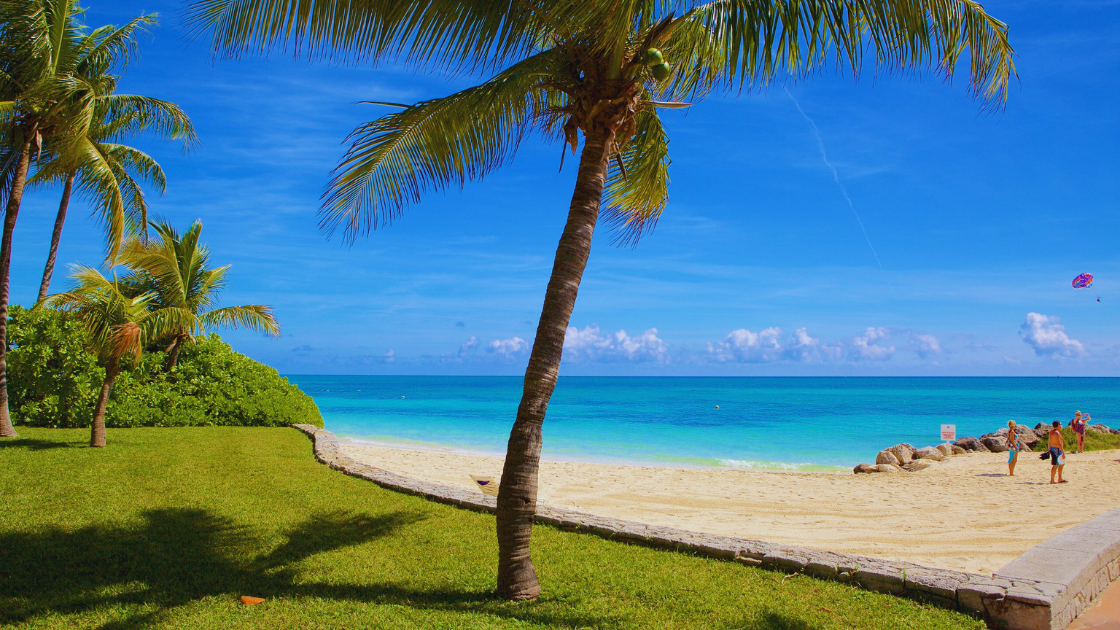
(691, 463)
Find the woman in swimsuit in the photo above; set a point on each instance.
(1079, 424)
(1014, 445)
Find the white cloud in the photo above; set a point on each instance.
(1048, 337)
(745, 346)
(803, 347)
(591, 345)
(468, 345)
(927, 346)
(389, 356)
(866, 347)
(508, 348)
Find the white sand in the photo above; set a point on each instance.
(965, 513)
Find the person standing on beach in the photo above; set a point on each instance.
(1079, 424)
(1057, 452)
(1014, 445)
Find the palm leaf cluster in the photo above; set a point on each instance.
(65, 90)
(174, 270)
(118, 324)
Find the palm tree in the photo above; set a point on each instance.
(108, 173)
(49, 98)
(600, 68)
(118, 326)
(175, 270)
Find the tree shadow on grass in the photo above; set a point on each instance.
(35, 445)
(178, 556)
(175, 557)
(771, 620)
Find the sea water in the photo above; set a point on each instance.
(759, 423)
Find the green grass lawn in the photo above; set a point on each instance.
(168, 527)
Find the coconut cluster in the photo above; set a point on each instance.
(657, 65)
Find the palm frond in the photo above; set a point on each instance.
(469, 34)
(145, 114)
(762, 38)
(116, 45)
(637, 190)
(253, 316)
(434, 144)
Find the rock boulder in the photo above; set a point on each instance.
(968, 444)
(946, 449)
(994, 444)
(886, 457)
(922, 464)
(888, 468)
(1099, 428)
(929, 452)
(865, 468)
(902, 452)
(958, 450)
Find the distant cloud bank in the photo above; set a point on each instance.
(590, 345)
(772, 345)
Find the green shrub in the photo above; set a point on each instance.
(53, 381)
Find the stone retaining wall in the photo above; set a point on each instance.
(1044, 589)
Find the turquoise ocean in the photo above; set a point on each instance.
(761, 423)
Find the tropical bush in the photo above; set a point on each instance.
(53, 381)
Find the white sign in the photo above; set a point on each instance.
(948, 432)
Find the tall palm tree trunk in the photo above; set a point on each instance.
(10, 213)
(48, 271)
(517, 493)
(97, 435)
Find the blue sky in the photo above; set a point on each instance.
(758, 267)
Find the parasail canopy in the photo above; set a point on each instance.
(1083, 281)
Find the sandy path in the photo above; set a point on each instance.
(964, 513)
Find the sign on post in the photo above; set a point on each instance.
(949, 432)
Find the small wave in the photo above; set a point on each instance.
(751, 464)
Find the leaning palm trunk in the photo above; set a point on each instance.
(173, 356)
(517, 494)
(10, 213)
(59, 221)
(97, 435)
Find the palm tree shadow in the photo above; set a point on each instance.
(178, 556)
(772, 620)
(31, 444)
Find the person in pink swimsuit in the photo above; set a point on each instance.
(1079, 424)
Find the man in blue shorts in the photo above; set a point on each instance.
(1057, 452)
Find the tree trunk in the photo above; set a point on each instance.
(517, 493)
(48, 271)
(10, 212)
(97, 435)
(173, 358)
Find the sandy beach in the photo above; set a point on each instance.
(965, 513)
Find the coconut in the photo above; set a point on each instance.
(661, 71)
(653, 57)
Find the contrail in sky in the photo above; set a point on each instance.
(835, 175)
